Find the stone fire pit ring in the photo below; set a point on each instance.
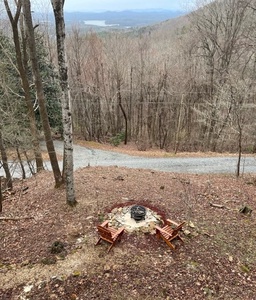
(124, 217)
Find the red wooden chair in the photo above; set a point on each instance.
(170, 232)
(109, 234)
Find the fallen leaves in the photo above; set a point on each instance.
(217, 256)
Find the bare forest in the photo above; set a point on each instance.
(183, 85)
(186, 84)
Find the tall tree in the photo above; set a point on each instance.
(25, 83)
(68, 173)
(222, 31)
(40, 93)
(5, 161)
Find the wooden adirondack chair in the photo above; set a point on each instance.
(168, 233)
(109, 234)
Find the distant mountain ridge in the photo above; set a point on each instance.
(120, 19)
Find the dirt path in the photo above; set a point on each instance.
(37, 273)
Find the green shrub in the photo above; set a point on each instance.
(117, 139)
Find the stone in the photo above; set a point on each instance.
(187, 232)
(152, 225)
(144, 229)
(28, 288)
(107, 268)
(190, 224)
(121, 217)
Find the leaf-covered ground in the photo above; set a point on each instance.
(217, 260)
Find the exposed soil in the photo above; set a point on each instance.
(47, 248)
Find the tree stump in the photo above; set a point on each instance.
(245, 210)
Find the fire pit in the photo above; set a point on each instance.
(134, 218)
(138, 213)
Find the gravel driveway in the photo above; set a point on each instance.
(85, 156)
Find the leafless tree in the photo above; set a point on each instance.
(5, 161)
(40, 93)
(66, 102)
(14, 20)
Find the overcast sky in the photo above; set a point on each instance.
(94, 5)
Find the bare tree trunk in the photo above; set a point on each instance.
(1, 195)
(240, 135)
(5, 162)
(40, 93)
(239, 154)
(25, 84)
(119, 97)
(68, 171)
(21, 163)
(177, 133)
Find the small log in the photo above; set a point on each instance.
(207, 234)
(217, 205)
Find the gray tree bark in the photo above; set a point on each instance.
(40, 93)
(25, 83)
(68, 172)
(5, 162)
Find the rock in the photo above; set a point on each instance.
(76, 273)
(42, 284)
(151, 226)
(107, 268)
(121, 216)
(186, 232)
(28, 288)
(114, 211)
(190, 224)
(143, 229)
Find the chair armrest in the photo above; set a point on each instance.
(119, 231)
(161, 230)
(104, 224)
(170, 222)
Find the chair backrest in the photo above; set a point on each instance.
(178, 228)
(104, 233)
